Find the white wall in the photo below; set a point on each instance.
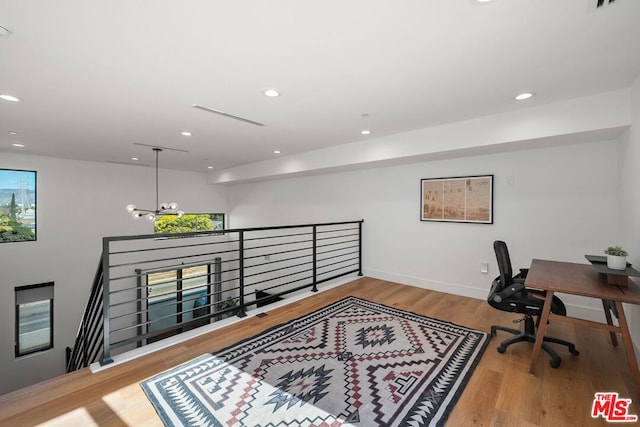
(78, 204)
(629, 198)
(558, 208)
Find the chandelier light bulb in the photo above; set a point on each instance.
(161, 210)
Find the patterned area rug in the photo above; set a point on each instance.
(353, 362)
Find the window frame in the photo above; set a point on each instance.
(24, 289)
(210, 214)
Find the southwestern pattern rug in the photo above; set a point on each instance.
(352, 363)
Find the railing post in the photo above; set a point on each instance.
(139, 304)
(242, 312)
(85, 344)
(217, 285)
(106, 330)
(360, 247)
(315, 259)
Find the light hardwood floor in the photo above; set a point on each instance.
(499, 393)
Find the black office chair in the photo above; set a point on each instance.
(508, 293)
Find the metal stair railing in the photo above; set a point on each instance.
(145, 288)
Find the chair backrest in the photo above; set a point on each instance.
(504, 262)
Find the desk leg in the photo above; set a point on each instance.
(607, 314)
(628, 348)
(542, 329)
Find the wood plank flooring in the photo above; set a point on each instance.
(500, 392)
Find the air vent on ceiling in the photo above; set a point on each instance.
(228, 115)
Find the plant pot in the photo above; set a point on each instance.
(615, 262)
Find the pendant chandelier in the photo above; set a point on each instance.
(160, 210)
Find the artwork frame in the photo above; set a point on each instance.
(18, 205)
(465, 199)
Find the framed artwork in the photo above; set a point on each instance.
(457, 199)
(17, 205)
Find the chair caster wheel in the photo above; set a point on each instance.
(574, 352)
(501, 349)
(555, 364)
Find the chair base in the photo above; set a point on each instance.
(528, 335)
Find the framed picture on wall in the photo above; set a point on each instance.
(457, 199)
(17, 205)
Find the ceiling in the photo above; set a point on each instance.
(98, 78)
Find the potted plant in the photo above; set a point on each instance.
(616, 258)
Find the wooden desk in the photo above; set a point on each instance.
(583, 280)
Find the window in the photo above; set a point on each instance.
(189, 223)
(17, 205)
(175, 297)
(34, 318)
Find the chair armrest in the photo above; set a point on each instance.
(508, 291)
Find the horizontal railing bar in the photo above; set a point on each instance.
(278, 253)
(182, 266)
(276, 236)
(285, 283)
(280, 277)
(166, 248)
(278, 244)
(337, 256)
(337, 237)
(126, 264)
(278, 260)
(276, 269)
(176, 267)
(336, 269)
(221, 232)
(337, 243)
(337, 262)
(337, 250)
(319, 231)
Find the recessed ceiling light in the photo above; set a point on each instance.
(209, 167)
(271, 93)
(522, 96)
(185, 133)
(7, 97)
(277, 152)
(480, 1)
(135, 158)
(13, 132)
(365, 132)
(18, 145)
